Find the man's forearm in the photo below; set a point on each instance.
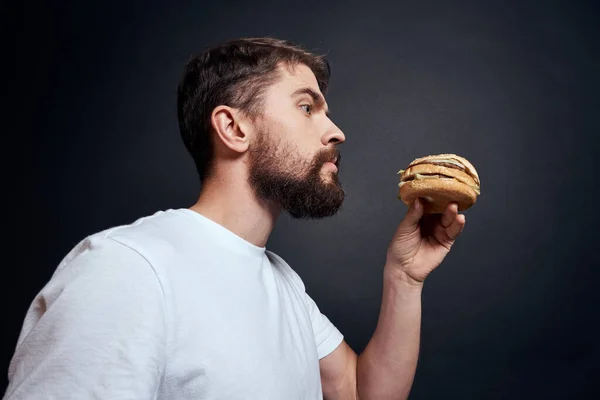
(386, 367)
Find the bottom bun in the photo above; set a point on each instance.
(436, 194)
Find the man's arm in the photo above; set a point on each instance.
(96, 330)
(386, 368)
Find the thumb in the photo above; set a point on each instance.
(413, 215)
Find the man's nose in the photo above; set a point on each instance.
(333, 135)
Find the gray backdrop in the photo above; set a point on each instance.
(511, 313)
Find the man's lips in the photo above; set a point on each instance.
(332, 164)
(334, 160)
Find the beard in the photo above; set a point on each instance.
(279, 175)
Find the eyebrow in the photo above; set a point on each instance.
(317, 98)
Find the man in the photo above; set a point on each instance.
(188, 303)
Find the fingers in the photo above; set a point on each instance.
(413, 216)
(456, 227)
(447, 236)
(449, 214)
(445, 230)
(452, 221)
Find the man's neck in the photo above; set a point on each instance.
(234, 206)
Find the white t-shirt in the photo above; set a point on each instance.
(172, 306)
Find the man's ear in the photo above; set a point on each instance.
(230, 128)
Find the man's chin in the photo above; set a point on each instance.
(314, 215)
(317, 206)
(329, 175)
(318, 194)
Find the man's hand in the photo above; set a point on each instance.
(421, 242)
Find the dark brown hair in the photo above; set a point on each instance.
(236, 74)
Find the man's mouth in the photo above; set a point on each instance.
(334, 157)
(333, 164)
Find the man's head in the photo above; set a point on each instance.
(260, 102)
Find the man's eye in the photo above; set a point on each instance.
(307, 108)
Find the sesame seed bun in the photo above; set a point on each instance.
(439, 180)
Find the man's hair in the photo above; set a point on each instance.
(236, 74)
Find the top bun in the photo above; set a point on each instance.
(469, 168)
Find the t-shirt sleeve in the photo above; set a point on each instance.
(327, 336)
(96, 330)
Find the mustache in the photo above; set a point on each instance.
(331, 154)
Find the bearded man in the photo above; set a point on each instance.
(188, 303)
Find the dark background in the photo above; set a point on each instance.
(513, 86)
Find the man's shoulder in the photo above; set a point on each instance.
(162, 224)
(145, 238)
(152, 235)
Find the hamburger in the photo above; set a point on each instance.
(439, 180)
